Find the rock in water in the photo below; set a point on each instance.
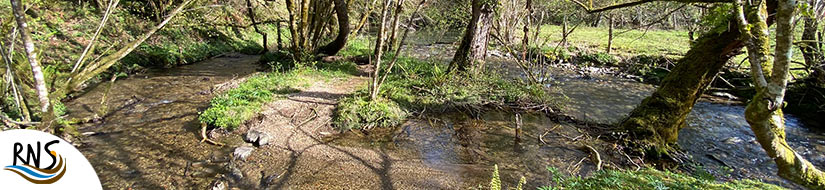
(243, 152)
(259, 138)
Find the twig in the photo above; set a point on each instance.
(595, 156)
(205, 138)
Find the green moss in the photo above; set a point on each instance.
(651, 179)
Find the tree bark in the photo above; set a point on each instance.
(811, 49)
(342, 12)
(395, 22)
(655, 123)
(764, 112)
(379, 50)
(251, 13)
(473, 48)
(37, 71)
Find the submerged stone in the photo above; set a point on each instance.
(243, 152)
(258, 138)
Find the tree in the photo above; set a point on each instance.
(764, 112)
(473, 48)
(655, 123)
(37, 71)
(341, 11)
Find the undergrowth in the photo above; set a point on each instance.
(647, 179)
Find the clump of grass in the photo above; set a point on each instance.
(357, 112)
(231, 108)
(228, 110)
(417, 85)
(647, 179)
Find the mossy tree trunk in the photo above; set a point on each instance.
(473, 48)
(655, 123)
(764, 112)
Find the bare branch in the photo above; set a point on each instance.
(592, 10)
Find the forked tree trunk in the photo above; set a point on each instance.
(342, 12)
(764, 113)
(37, 71)
(473, 48)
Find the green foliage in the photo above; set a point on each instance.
(650, 179)
(718, 18)
(495, 183)
(357, 112)
(448, 14)
(228, 110)
(278, 61)
(231, 108)
(598, 59)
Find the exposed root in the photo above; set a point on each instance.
(205, 138)
(595, 156)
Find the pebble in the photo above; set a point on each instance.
(258, 138)
(243, 152)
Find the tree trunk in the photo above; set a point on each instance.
(764, 113)
(379, 50)
(473, 48)
(395, 22)
(655, 123)
(811, 48)
(251, 13)
(610, 35)
(37, 71)
(342, 12)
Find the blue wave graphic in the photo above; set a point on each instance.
(30, 172)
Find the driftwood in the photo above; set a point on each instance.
(205, 138)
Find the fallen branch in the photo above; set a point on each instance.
(205, 138)
(595, 156)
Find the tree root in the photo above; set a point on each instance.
(595, 157)
(205, 138)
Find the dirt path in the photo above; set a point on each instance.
(302, 157)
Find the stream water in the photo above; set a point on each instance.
(151, 138)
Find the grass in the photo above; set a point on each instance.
(634, 42)
(230, 109)
(416, 85)
(648, 179)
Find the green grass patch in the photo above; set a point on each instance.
(648, 179)
(417, 85)
(652, 42)
(231, 108)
